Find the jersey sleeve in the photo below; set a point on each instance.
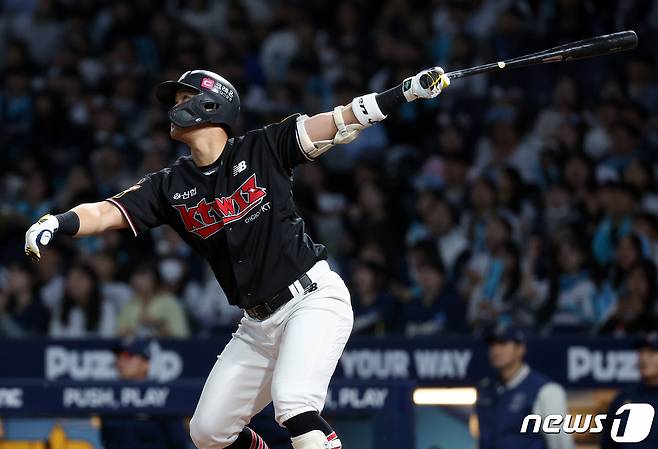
(141, 204)
(282, 137)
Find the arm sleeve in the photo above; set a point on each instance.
(282, 138)
(142, 203)
(552, 400)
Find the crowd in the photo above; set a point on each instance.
(527, 197)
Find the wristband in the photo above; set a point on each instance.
(69, 223)
(366, 110)
(391, 99)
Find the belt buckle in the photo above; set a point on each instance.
(261, 311)
(268, 308)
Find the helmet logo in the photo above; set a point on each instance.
(218, 88)
(208, 83)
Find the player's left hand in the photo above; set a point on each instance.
(425, 84)
(39, 234)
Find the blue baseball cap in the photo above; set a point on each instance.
(136, 346)
(505, 333)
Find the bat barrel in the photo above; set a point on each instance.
(586, 48)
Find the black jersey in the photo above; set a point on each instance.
(238, 212)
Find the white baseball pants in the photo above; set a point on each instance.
(287, 359)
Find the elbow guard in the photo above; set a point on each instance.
(345, 134)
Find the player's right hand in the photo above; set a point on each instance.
(425, 84)
(40, 233)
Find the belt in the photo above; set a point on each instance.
(269, 306)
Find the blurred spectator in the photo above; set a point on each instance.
(642, 85)
(492, 294)
(634, 310)
(515, 391)
(598, 138)
(369, 219)
(208, 307)
(503, 145)
(41, 31)
(630, 251)
(141, 431)
(564, 103)
(645, 391)
(21, 311)
(113, 291)
(81, 310)
(492, 275)
(153, 312)
(625, 145)
(568, 295)
(482, 198)
(34, 203)
(513, 201)
(618, 203)
(433, 305)
(640, 176)
(373, 307)
(439, 222)
(558, 210)
(645, 224)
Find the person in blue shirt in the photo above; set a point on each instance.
(645, 391)
(372, 306)
(141, 431)
(515, 391)
(432, 306)
(619, 200)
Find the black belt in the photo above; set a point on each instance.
(271, 305)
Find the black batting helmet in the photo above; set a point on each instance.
(217, 100)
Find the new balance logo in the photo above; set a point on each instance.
(238, 168)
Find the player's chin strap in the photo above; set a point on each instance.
(365, 110)
(316, 439)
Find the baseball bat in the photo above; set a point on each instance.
(586, 48)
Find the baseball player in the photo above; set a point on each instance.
(231, 201)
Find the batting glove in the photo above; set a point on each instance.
(40, 233)
(426, 84)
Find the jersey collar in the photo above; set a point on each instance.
(212, 168)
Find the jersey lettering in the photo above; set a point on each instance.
(205, 219)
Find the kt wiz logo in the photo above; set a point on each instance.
(205, 219)
(637, 418)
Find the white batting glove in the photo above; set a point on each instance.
(40, 233)
(425, 84)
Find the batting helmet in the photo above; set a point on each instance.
(217, 100)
